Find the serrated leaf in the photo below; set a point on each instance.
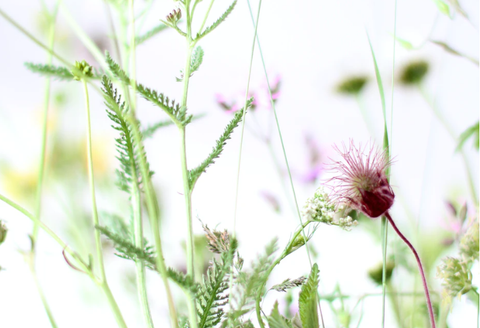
(276, 320)
(58, 72)
(308, 300)
(472, 131)
(151, 33)
(195, 173)
(196, 61)
(288, 284)
(217, 22)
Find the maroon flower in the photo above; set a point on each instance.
(361, 181)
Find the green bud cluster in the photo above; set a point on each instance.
(457, 278)
(469, 244)
(84, 68)
(414, 72)
(174, 17)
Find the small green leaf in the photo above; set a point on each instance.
(276, 320)
(443, 7)
(308, 300)
(154, 31)
(197, 59)
(404, 43)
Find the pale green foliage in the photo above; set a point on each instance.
(212, 294)
(128, 149)
(457, 278)
(276, 320)
(195, 173)
(308, 300)
(288, 284)
(469, 244)
(122, 240)
(442, 7)
(58, 72)
(150, 130)
(248, 283)
(196, 61)
(172, 109)
(217, 22)
(151, 33)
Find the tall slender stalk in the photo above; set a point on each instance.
(420, 268)
(384, 265)
(41, 171)
(98, 243)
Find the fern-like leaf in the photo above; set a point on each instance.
(57, 72)
(126, 249)
(288, 284)
(195, 173)
(197, 59)
(176, 113)
(150, 130)
(276, 320)
(217, 22)
(128, 149)
(308, 300)
(151, 33)
(248, 283)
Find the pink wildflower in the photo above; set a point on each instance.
(361, 182)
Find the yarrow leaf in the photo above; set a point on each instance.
(128, 149)
(308, 300)
(195, 173)
(288, 284)
(276, 320)
(217, 22)
(58, 72)
(176, 113)
(151, 33)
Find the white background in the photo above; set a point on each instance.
(312, 45)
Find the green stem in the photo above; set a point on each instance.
(364, 113)
(153, 214)
(384, 265)
(41, 171)
(192, 308)
(98, 243)
(448, 127)
(140, 265)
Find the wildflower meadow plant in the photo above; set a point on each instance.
(229, 278)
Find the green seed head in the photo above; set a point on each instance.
(414, 72)
(352, 85)
(376, 272)
(469, 244)
(457, 278)
(84, 68)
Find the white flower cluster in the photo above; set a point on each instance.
(319, 209)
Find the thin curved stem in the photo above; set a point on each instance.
(420, 267)
(98, 243)
(384, 266)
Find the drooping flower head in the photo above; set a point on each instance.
(360, 180)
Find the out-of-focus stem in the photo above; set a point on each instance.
(98, 243)
(420, 267)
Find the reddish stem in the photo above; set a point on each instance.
(424, 280)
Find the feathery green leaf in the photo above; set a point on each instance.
(58, 72)
(151, 33)
(288, 284)
(195, 173)
(248, 283)
(212, 295)
(276, 320)
(197, 59)
(308, 300)
(176, 113)
(217, 22)
(128, 149)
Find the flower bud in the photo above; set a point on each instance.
(174, 17)
(84, 68)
